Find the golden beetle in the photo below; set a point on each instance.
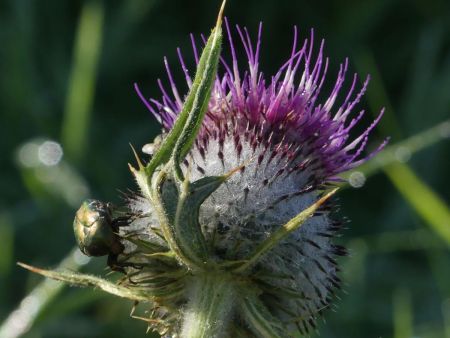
(96, 231)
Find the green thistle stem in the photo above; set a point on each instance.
(209, 309)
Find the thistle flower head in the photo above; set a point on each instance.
(231, 232)
(288, 146)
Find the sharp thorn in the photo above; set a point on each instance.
(140, 165)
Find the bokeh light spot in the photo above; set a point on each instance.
(357, 179)
(50, 153)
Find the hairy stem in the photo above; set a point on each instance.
(209, 310)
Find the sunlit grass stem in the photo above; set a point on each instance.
(420, 196)
(81, 87)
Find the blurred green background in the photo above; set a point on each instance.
(66, 75)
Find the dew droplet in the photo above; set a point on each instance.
(357, 179)
(403, 154)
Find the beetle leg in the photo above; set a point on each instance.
(148, 320)
(113, 264)
(119, 222)
(136, 303)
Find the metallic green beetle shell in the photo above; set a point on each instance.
(93, 227)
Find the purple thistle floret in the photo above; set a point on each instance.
(286, 108)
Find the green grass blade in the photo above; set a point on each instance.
(81, 89)
(422, 198)
(7, 247)
(427, 204)
(403, 150)
(38, 299)
(402, 314)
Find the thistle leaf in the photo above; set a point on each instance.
(183, 133)
(78, 279)
(283, 232)
(204, 80)
(260, 320)
(181, 210)
(187, 226)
